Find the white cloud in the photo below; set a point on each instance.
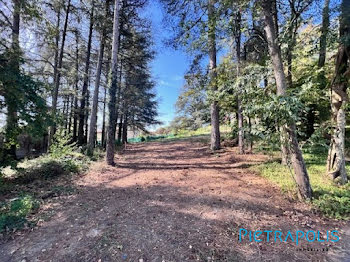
(164, 83)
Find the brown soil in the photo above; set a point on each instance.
(173, 201)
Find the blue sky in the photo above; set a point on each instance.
(169, 66)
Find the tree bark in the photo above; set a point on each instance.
(120, 129)
(76, 89)
(103, 135)
(71, 114)
(324, 33)
(339, 98)
(125, 130)
(300, 173)
(250, 142)
(57, 42)
(113, 89)
(82, 110)
(104, 129)
(58, 76)
(214, 109)
(93, 119)
(66, 113)
(118, 94)
(86, 119)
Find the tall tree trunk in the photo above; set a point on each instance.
(57, 42)
(250, 142)
(82, 110)
(125, 130)
(283, 135)
(300, 173)
(339, 98)
(214, 109)
(275, 18)
(71, 114)
(66, 113)
(120, 129)
(93, 119)
(324, 33)
(76, 89)
(113, 89)
(86, 119)
(238, 36)
(12, 129)
(58, 75)
(104, 130)
(290, 48)
(119, 95)
(103, 135)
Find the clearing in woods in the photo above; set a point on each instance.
(172, 201)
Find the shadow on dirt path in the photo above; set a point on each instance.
(173, 201)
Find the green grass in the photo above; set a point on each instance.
(331, 199)
(180, 134)
(14, 214)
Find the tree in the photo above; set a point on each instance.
(339, 97)
(324, 33)
(58, 74)
(10, 97)
(84, 97)
(93, 118)
(214, 108)
(195, 26)
(57, 77)
(113, 88)
(297, 161)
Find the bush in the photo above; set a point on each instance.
(63, 158)
(42, 168)
(334, 206)
(62, 147)
(13, 214)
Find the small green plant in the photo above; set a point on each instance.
(13, 214)
(334, 206)
(62, 147)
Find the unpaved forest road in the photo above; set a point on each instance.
(171, 201)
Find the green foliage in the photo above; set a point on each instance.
(331, 199)
(318, 142)
(13, 214)
(192, 105)
(63, 159)
(62, 147)
(27, 111)
(334, 205)
(41, 168)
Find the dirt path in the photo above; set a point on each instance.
(173, 201)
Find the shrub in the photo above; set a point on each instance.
(13, 214)
(42, 168)
(62, 147)
(63, 158)
(334, 206)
